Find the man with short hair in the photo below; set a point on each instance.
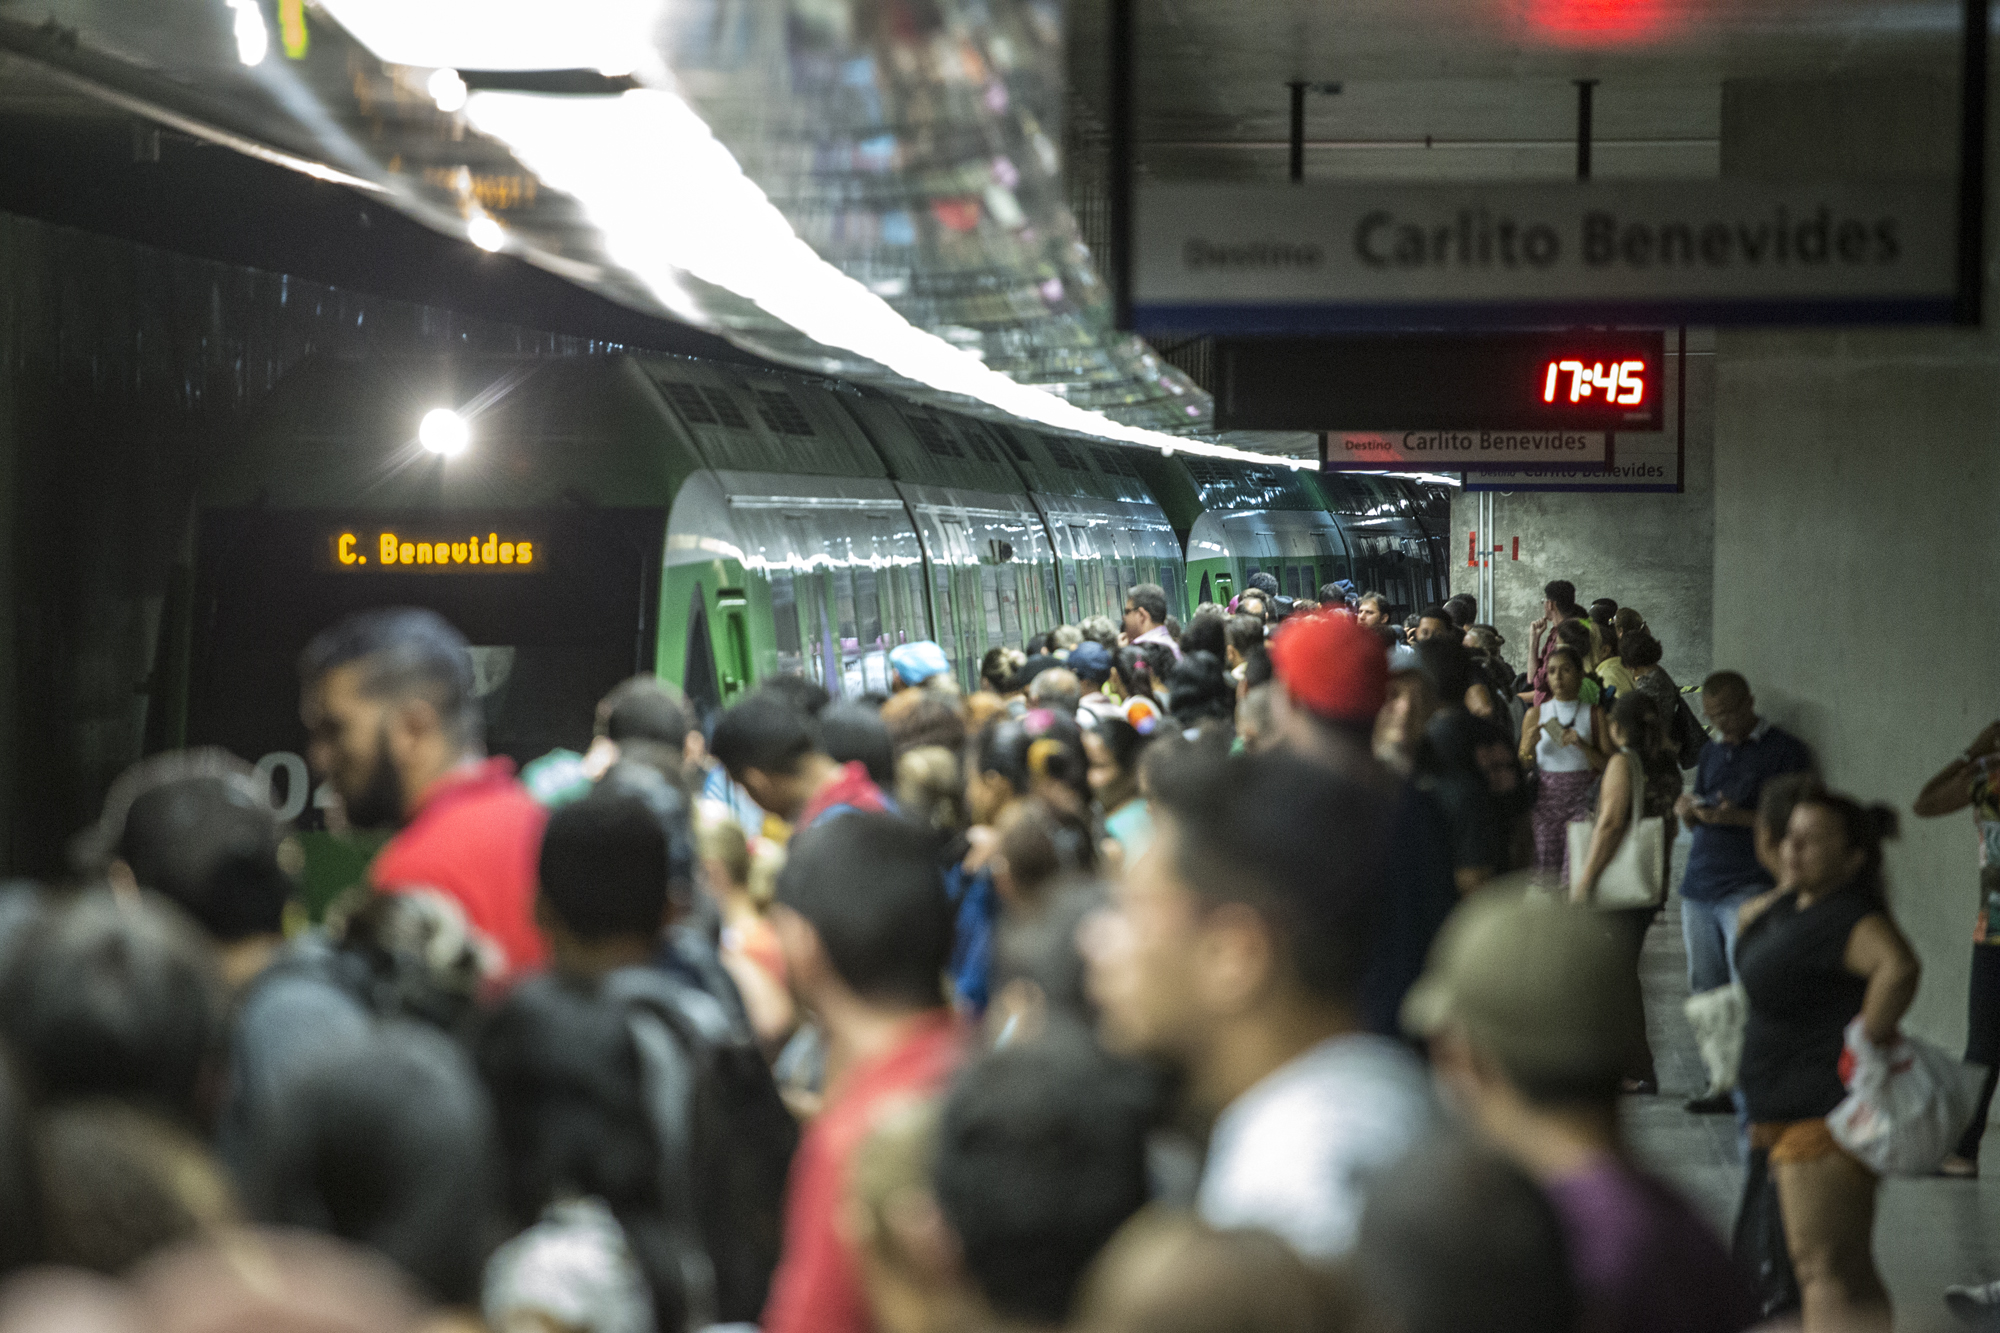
(1372, 610)
(1435, 622)
(1059, 1132)
(1558, 605)
(866, 929)
(1235, 949)
(772, 749)
(1146, 617)
(1057, 690)
(393, 725)
(1723, 871)
(616, 873)
(196, 827)
(1533, 1014)
(1463, 608)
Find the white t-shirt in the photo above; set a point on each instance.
(1294, 1154)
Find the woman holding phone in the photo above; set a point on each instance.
(1561, 741)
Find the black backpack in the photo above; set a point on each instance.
(726, 1141)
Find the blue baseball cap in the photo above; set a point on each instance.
(917, 662)
(1091, 661)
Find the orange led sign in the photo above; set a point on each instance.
(378, 549)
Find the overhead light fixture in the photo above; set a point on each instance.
(444, 433)
(253, 39)
(485, 233)
(447, 90)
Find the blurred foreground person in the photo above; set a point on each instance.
(1456, 1239)
(866, 929)
(394, 726)
(266, 1281)
(116, 996)
(1331, 681)
(1532, 1011)
(1167, 1272)
(117, 1185)
(639, 1119)
(1235, 950)
(1041, 1157)
(988, 1230)
(196, 827)
(391, 1145)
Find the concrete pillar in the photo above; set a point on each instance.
(1857, 517)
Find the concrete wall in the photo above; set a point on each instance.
(1654, 552)
(1857, 529)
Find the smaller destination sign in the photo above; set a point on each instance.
(1459, 450)
(379, 548)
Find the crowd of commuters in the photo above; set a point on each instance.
(1242, 974)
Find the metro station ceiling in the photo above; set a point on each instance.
(876, 190)
(1479, 89)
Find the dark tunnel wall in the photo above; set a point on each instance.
(121, 366)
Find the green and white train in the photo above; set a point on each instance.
(713, 523)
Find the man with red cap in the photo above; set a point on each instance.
(1332, 678)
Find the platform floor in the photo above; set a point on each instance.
(1929, 1234)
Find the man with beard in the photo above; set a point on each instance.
(387, 700)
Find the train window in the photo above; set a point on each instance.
(726, 410)
(975, 437)
(1014, 446)
(785, 622)
(1012, 630)
(781, 413)
(688, 401)
(1061, 454)
(930, 433)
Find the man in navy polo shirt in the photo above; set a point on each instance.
(1722, 870)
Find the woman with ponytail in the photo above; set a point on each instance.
(1814, 953)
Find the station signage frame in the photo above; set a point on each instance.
(1549, 383)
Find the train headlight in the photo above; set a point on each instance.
(444, 432)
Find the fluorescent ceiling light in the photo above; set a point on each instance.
(669, 199)
(500, 34)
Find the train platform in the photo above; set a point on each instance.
(1929, 1234)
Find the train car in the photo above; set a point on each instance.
(712, 522)
(1239, 519)
(1395, 531)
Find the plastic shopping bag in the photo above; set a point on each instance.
(1717, 1017)
(1906, 1105)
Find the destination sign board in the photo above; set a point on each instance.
(1235, 258)
(380, 548)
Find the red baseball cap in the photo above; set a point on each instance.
(1332, 667)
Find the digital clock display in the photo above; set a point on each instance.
(1622, 383)
(1596, 380)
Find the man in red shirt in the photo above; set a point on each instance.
(769, 746)
(393, 725)
(866, 928)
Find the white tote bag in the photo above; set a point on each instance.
(1905, 1106)
(1636, 876)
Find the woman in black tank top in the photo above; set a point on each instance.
(1813, 953)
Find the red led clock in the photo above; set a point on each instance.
(1581, 380)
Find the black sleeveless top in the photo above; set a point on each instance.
(1802, 997)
